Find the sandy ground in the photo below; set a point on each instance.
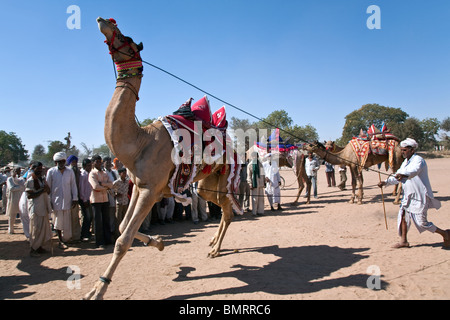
(329, 249)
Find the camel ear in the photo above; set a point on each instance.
(140, 46)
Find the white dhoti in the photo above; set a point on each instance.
(63, 222)
(41, 234)
(419, 219)
(257, 195)
(273, 195)
(24, 217)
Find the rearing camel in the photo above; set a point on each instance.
(348, 157)
(146, 153)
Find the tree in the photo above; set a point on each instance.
(243, 124)
(277, 119)
(370, 114)
(301, 134)
(103, 150)
(445, 124)
(11, 148)
(39, 154)
(430, 128)
(146, 122)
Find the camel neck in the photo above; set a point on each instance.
(121, 129)
(329, 157)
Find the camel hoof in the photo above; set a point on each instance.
(213, 253)
(157, 242)
(97, 292)
(308, 202)
(294, 204)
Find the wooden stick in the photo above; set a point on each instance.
(382, 197)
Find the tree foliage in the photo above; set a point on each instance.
(370, 114)
(400, 124)
(278, 119)
(11, 148)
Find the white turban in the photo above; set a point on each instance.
(408, 142)
(59, 156)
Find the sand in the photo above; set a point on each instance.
(329, 249)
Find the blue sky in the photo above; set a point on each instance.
(316, 59)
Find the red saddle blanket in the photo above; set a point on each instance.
(362, 148)
(190, 118)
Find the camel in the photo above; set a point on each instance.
(146, 153)
(299, 169)
(332, 147)
(347, 156)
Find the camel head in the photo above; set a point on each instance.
(313, 146)
(121, 48)
(330, 145)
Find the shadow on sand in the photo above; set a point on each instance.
(299, 270)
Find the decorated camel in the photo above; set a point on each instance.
(332, 147)
(352, 159)
(147, 154)
(294, 159)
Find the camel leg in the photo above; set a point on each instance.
(354, 173)
(216, 241)
(360, 187)
(395, 191)
(144, 203)
(301, 186)
(399, 193)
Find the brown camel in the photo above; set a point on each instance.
(146, 153)
(348, 157)
(298, 164)
(332, 147)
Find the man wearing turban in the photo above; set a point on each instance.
(417, 194)
(63, 196)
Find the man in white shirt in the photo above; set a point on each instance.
(311, 167)
(63, 196)
(417, 195)
(273, 182)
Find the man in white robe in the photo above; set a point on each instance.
(14, 190)
(273, 182)
(63, 196)
(417, 195)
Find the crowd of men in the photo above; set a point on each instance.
(51, 199)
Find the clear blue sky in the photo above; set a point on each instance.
(316, 59)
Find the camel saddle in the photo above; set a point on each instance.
(362, 148)
(187, 117)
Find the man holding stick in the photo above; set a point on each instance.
(417, 195)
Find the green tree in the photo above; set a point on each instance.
(277, 119)
(146, 122)
(39, 154)
(300, 134)
(11, 148)
(103, 150)
(430, 128)
(370, 114)
(445, 124)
